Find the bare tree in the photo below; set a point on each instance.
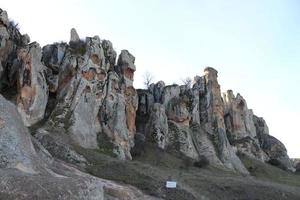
(148, 79)
(187, 82)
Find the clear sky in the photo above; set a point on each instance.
(255, 45)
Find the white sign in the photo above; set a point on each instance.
(171, 184)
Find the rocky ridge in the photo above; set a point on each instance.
(80, 95)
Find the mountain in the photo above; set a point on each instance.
(72, 126)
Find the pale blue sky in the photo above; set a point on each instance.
(254, 44)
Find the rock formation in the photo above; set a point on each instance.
(28, 171)
(68, 96)
(200, 122)
(240, 126)
(95, 99)
(32, 87)
(195, 118)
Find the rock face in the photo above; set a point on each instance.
(29, 172)
(198, 121)
(240, 126)
(157, 127)
(195, 120)
(95, 99)
(10, 41)
(76, 89)
(238, 117)
(273, 148)
(32, 87)
(16, 149)
(213, 119)
(79, 95)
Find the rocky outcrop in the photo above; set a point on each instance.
(22, 72)
(76, 89)
(95, 99)
(16, 149)
(32, 87)
(79, 95)
(239, 119)
(240, 126)
(10, 41)
(29, 172)
(198, 121)
(157, 126)
(213, 121)
(195, 125)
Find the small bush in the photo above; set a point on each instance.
(202, 162)
(78, 47)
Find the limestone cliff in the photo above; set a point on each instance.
(64, 97)
(198, 121)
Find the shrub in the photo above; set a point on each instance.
(78, 47)
(202, 162)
